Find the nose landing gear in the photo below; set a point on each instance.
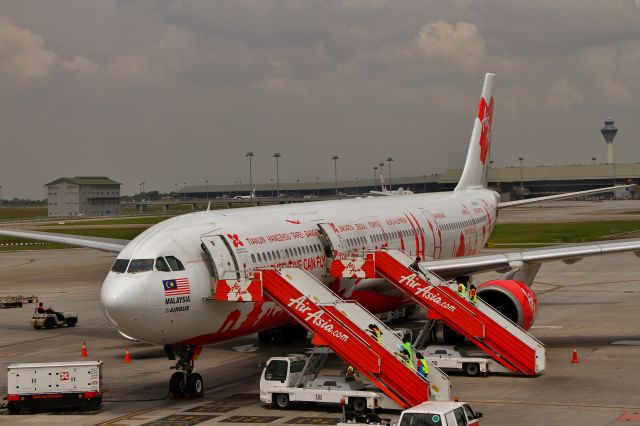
(185, 383)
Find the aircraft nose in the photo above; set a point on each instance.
(123, 301)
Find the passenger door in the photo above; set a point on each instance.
(335, 240)
(222, 258)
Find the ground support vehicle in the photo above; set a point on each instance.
(450, 358)
(50, 320)
(294, 378)
(440, 413)
(16, 301)
(54, 385)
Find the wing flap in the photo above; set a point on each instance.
(500, 262)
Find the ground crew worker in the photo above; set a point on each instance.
(423, 367)
(406, 358)
(473, 297)
(414, 265)
(40, 309)
(350, 371)
(375, 333)
(406, 345)
(462, 289)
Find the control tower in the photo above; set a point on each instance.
(609, 132)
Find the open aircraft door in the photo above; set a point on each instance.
(334, 239)
(223, 259)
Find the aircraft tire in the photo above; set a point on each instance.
(177, 385)
(195, 385)
(282, 401)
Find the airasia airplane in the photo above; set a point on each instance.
(160, 287)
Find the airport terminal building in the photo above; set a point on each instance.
(83, 196)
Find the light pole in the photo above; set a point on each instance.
(521, 178)
(207, 183)
(593, 161)
(381, 167)
(184, 185)
(375, 176)
(318, 186)
(176, 191)
(250, 155)
(277, 157)
(141, 191)
(335, 159)
(389, 160)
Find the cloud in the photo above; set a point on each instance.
(563, 95)
(459, 43)
(23, 55)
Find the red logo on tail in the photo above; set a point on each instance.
(485, 115)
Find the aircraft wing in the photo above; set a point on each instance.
(504, 262)
(103, 244)
(561, 196)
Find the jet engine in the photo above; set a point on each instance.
(512, 298)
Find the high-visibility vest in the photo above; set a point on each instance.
(425, 366)
(378, 336)
(407, 346)
(462, 290)
(472, 296)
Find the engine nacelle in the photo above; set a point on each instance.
(512, 298)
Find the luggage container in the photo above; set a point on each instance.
(54, 385)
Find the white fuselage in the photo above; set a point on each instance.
(437, 225)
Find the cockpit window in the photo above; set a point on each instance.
(140, 265)
(120, 266)
(161, 265)
(175, 263)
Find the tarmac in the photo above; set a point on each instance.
(594, 305)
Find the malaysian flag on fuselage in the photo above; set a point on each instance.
(176, 286)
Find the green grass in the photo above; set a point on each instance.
(118, 233)
(632, 212)
(528, 234)
(6, 244)
(12, 213)
(141, 220)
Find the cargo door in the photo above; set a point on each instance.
(225, 264)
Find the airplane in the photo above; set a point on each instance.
(251, 196)
(387, 192)
(160, 286)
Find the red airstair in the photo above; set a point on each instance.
(342, 325)
(487, 328)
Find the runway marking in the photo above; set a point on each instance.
(552, 404)
(212, 408)
(180, 420)
(250, 419)
(313, 421)
(628, 417)
(130, 416)
(547, 327)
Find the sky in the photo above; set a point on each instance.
(166, 92)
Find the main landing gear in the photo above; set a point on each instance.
(184, 382)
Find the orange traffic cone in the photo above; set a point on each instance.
(575, 360)
(127, 357)
(83, 354)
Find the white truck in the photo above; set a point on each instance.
(293, 378)
(54, 385)
(50, 320)
(437, 413)
(450, 358)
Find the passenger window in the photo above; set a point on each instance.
(269, 255)
(253, 258)
(120, 266)
(278, 253)
(420, 419)
(259, 258)
(330, 383)
(174, 263)
(308, 250)
(140, 265)
(161, 265)
(469, 412)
